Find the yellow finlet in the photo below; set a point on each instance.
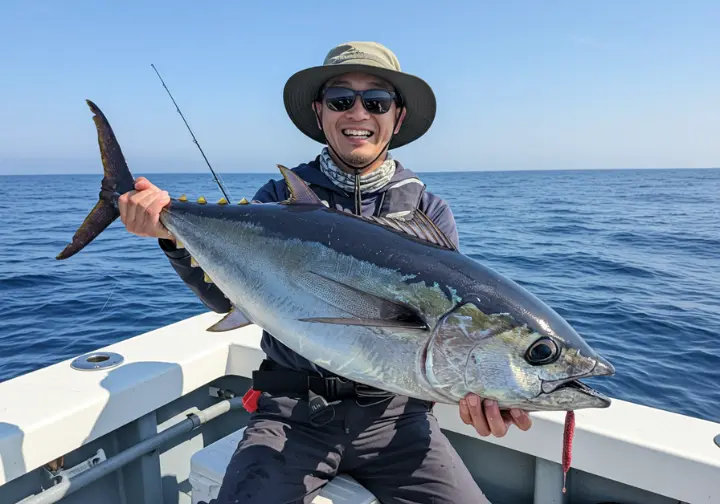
(222, 201)
(183, 197)
(244, 202)
(194, 263)
(202, 200)
(207, 278)
(179, 244)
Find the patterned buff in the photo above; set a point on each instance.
(371, 182)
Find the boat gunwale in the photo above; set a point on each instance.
(651, 449)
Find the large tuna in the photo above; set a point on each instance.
(389, 303)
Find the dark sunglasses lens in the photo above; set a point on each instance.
(338, 99)
(377, 101)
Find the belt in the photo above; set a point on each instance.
(322, 392)
(273, 378)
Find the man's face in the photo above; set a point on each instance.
(347, 132)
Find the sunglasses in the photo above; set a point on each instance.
(375, 101)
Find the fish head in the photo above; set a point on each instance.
(516, 358)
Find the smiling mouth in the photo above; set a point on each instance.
(360, 134)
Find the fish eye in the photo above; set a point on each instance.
(543, 351)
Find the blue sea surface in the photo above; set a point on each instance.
(631, 258)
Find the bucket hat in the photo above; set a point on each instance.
(302, 89)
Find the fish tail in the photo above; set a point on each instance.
(117, 181)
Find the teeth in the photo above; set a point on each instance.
(358, 133)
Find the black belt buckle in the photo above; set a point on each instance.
(331, 388)
(339, 388)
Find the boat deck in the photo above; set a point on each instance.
(625, 453)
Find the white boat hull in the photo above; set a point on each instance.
(626, 453)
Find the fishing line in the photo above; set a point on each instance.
(109, 296)
(217, 179)
(92, 318)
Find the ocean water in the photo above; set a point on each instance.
(630, 258)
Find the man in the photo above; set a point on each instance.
(359, 104)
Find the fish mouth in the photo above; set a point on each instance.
(602, 401)
(602, 368)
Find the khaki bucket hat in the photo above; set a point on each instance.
(302, 89)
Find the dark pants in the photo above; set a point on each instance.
(395, 449)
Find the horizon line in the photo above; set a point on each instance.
(489, 170)
(198, 172)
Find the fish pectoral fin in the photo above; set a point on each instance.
(233, 320)
(361, 305)
(404, 324)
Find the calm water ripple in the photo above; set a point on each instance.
(630, 258)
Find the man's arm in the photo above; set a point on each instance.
(483, 414)
(140, 213)
(209, 293)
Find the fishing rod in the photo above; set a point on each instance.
(217, 179)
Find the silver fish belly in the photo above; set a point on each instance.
(281, 281)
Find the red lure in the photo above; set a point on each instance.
(567, 445)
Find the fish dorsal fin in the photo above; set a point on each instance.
(300, 192)
(418, 225)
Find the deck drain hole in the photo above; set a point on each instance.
(96, 361)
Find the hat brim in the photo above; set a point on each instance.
(302, 89)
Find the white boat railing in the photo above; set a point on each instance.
(54, 410)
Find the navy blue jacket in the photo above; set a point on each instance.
(406, 192)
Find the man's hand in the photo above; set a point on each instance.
(486, 417)
(140, 210)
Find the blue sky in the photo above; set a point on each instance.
(520, 85)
